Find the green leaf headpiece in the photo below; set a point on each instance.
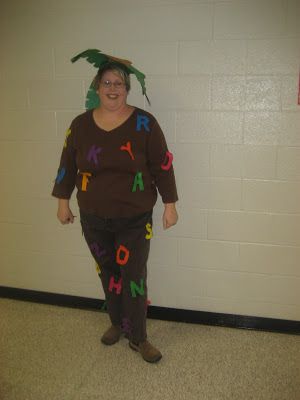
(99, 60)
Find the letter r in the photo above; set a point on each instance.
(142, 120)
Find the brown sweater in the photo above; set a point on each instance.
(116, 173)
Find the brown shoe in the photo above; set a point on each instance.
(148, 352)
(112, 335)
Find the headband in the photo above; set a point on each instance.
(99, 60)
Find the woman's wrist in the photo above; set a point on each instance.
(169, 205)
(63, 202)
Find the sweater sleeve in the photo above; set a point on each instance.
(160, 165)
(67, 171)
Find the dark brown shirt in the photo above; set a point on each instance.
(117, 173)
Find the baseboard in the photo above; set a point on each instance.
(162, 313)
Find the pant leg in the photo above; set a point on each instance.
(101, 242)
(132, 250)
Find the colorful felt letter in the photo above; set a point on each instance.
(128, 148)
(85, 180)
(98, 269)
(96, 249)
(166, 165)
(149, 230)
(113, 284)
(148, 302)
(142, 120)
(138, 181)
(123, 260)
(92, 154)
(126, 325)
(135, 288)
(60, 175)
(68, 133)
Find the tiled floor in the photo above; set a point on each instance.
(55, 353)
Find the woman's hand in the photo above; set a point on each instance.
(64, 213)
(170, 215)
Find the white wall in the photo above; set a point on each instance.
(222, 77)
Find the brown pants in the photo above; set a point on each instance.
(121, 247)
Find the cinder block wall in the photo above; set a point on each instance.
(222, 77)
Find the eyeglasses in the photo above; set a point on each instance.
(117, 85)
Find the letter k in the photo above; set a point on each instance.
(92, 155)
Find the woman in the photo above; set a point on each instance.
(117, 157)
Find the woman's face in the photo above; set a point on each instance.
(112, 91)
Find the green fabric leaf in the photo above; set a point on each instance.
(98, 59)
(93, 56)
(92, 99)
(139, 75)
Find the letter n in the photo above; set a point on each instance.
(135, 288)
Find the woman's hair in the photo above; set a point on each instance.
(116, 68)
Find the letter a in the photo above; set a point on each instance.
(138, 181)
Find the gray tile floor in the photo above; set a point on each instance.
(55, 353)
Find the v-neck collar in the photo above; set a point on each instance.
(114, 129)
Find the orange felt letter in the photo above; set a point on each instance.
(122, 261)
